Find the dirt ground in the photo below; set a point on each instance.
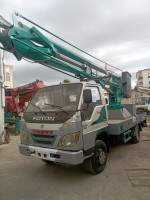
(126, 176)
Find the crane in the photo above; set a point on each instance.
(31, 44)
(15, 104)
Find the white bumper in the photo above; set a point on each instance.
(53, 155)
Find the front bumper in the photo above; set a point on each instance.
(53, 155)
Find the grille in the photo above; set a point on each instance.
(44, 140)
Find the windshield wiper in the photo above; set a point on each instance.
(38, 108)
(60, 107)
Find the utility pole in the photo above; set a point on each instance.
(2, 100)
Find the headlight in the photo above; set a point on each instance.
(24, 137)
(68, 140)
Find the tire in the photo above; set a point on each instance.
(97, 162)
(47, 161)
(136, 135)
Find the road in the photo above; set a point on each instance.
(126, 176)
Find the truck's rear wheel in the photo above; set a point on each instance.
(136, 135)
(97, 162)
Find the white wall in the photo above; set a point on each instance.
(2, 102)
(146, 80)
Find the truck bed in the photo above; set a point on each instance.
(116, 127)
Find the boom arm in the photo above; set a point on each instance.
(30, 44)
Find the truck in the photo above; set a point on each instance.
(143, 102)
(71, 123)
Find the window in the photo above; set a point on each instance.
(96, 101)
(7, 69)
(53, 98)
(140, 73)
(59, 102)
(7, 78)
(95, 94)
(141, 77)
(141, 83)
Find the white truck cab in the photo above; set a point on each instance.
(63, 122)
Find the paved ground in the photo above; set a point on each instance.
(126, 177)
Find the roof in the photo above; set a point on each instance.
(148, 69)
(143, 70)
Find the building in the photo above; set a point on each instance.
(134, 95)
(2, 85)
(8, 73)
(8, 70)
(143, 78)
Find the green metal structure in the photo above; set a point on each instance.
(10, 120)
(32, 45)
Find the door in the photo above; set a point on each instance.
(93, 118)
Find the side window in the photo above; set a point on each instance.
(95, 95)
(96, 100)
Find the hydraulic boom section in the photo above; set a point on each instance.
(30, 44)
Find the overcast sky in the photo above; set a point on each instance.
(117, 32)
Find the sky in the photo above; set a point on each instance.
(117, 32)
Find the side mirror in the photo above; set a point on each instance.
(87, 96)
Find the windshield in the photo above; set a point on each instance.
(55, 98)
(143, 100)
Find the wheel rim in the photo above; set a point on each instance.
(100, 157)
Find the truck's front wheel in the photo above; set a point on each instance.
(97, 162)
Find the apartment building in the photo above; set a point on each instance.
(143, 78)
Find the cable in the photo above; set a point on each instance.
(17, 14)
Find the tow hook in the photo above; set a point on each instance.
(31, 151)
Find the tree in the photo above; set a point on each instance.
(66, 81)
